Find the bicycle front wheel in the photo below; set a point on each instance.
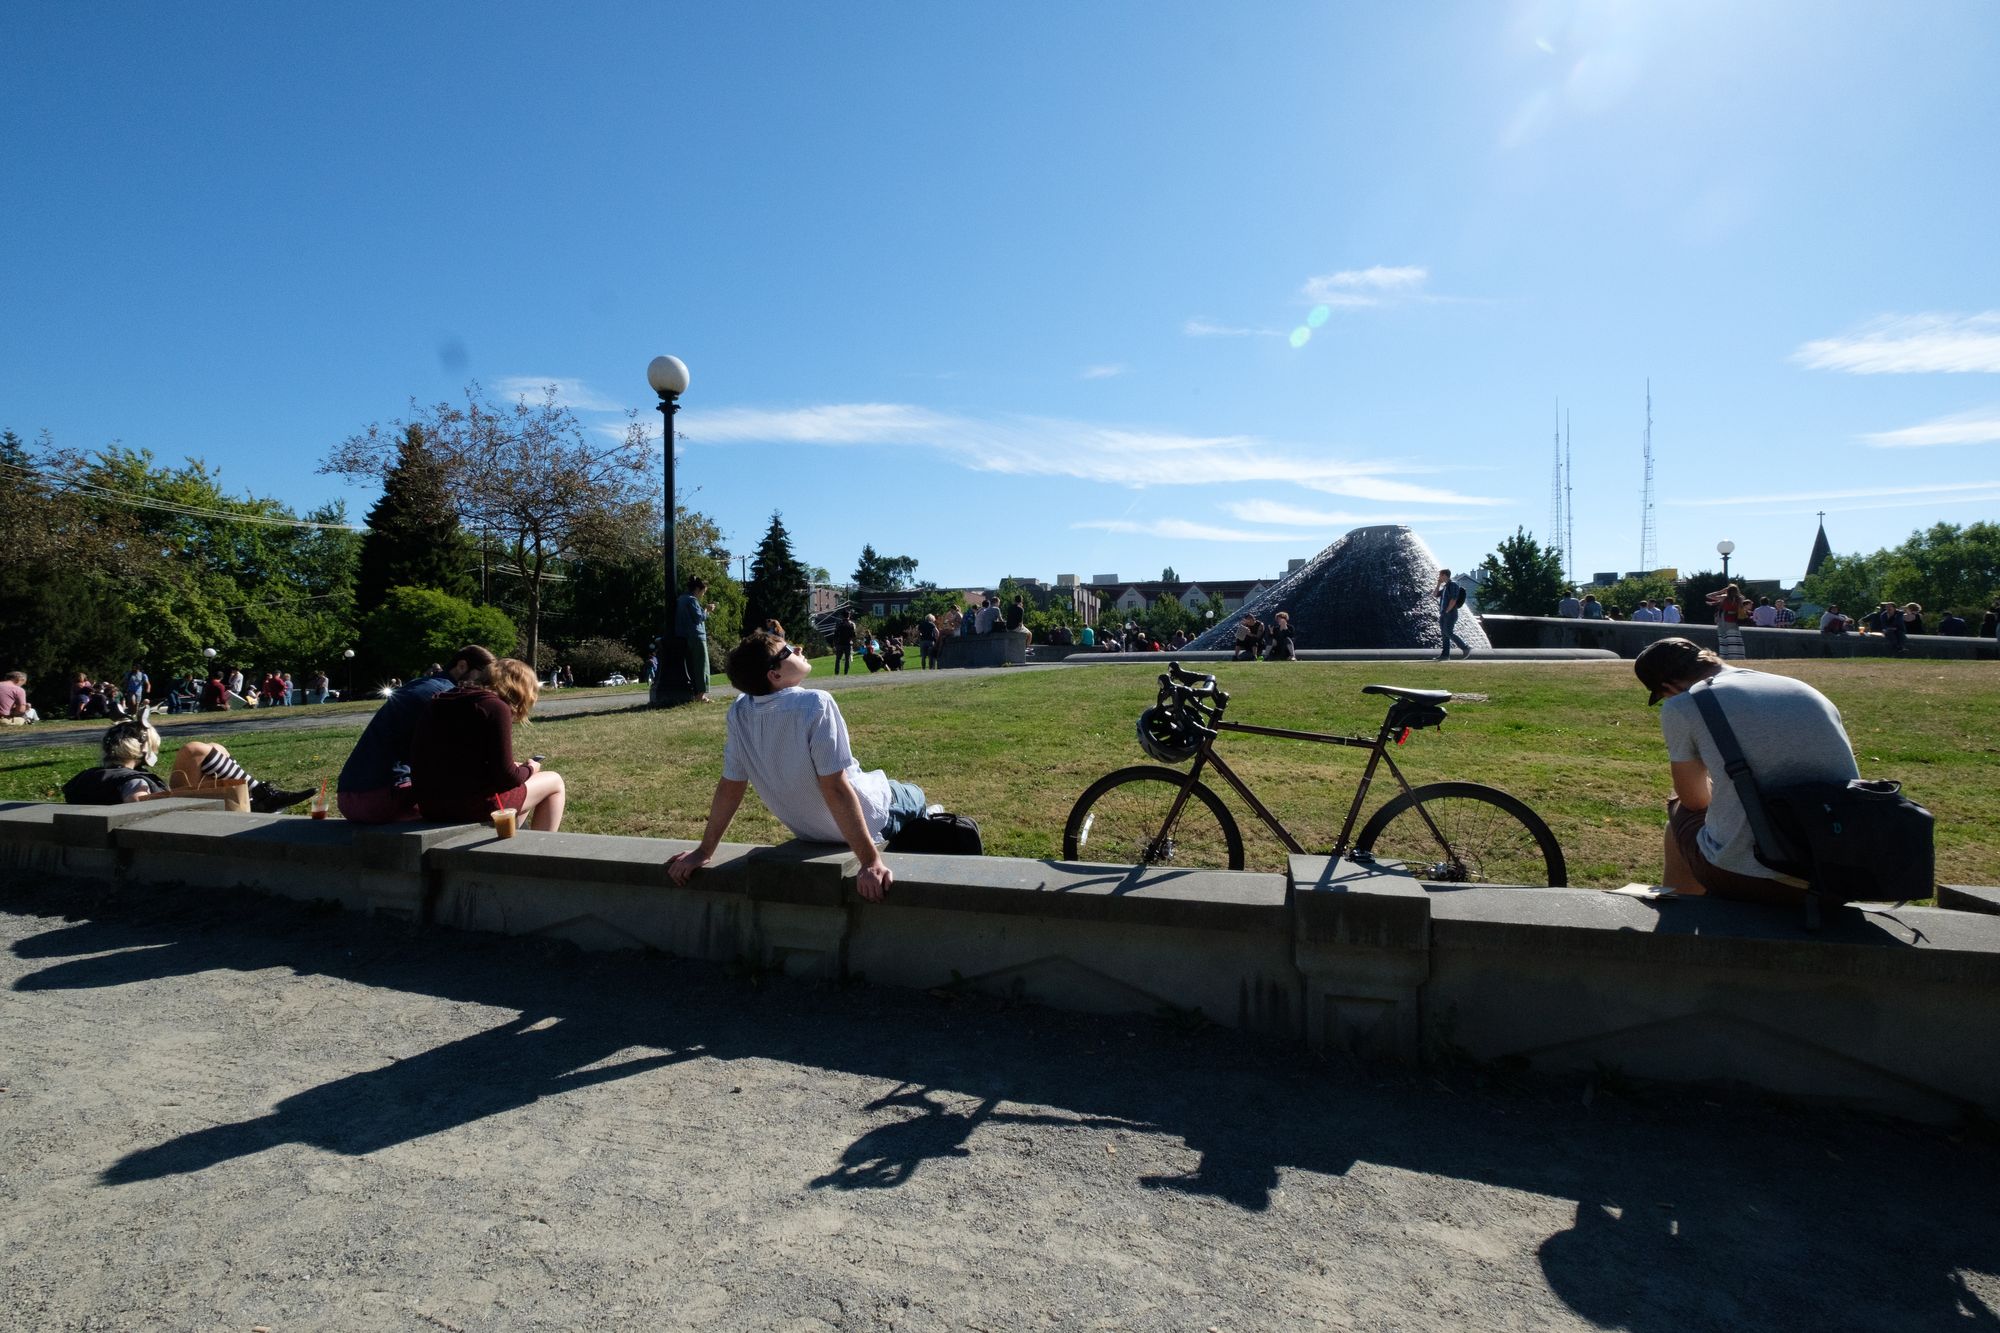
(1464, 833)
(1121, 819)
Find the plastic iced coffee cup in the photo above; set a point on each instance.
(503, 823)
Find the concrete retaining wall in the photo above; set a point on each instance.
(1628, 637)
(1885, 1011)
(1003, 647)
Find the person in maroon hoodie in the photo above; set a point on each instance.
(462, 765)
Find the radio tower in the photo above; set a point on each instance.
(1557, 540)
(1648, 541)
(1569, 508)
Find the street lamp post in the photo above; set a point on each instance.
(669, 377)
(1723, 549)
(349, 655)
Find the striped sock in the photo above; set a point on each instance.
(218, 764)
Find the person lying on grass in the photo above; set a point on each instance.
(792, 743)
(131, 748)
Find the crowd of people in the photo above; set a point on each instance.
(1732, 609)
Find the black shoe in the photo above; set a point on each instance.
(268, 800)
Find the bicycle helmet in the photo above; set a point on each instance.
(1165, 735)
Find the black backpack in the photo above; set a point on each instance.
(1850, 841)
(940, 834)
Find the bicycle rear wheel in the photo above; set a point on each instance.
(1121, 819)
(1481, 836)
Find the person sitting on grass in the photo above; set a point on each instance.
(462, 766)
(15, 711)
(132, 747)
(792, 743)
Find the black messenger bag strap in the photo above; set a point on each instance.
(1738, 768)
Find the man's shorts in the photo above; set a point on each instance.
(1684, 827)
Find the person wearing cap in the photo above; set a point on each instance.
(1789, 733)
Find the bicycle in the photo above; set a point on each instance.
(1442, 832)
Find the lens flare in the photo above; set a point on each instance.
(1317, 316)
(1301, 336)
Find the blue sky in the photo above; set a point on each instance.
(1042, 289)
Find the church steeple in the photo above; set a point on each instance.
(1821, 549)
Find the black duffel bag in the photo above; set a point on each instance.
(940, 834)
(1861, 840)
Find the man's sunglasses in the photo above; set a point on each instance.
(783, 653)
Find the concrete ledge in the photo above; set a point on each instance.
(1625, 638)
(1964, 898)
(1888, 1011)
(1218, 900)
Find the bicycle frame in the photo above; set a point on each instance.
(1378, 755)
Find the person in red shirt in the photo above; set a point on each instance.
(462, 765)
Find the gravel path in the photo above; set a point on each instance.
(226, 1113)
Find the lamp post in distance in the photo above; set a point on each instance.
(1723, 549)
(668, 376)
(349, 655)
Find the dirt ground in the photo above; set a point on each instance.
(232, 1113)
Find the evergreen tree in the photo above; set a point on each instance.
(413, 538)
(1522, 579)
(778, 587)
(883, 573)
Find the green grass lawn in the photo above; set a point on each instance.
(1574, 740)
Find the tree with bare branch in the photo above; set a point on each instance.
(526, 475)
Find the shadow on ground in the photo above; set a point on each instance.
(1691, 1210)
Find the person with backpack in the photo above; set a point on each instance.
(1789, 734)
(1450, 597)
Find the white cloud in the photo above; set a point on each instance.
(1180, 529)
(1911, 344)
(1393, 492)
(1058, 447)
(1979, 426)
(571, 393)
(1375, 278)
(1298, 516)
(1104, 372)
(1199, 327)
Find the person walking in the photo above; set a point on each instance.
(927, 639)
(844, 635)
(1450, 597)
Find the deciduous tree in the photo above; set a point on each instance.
(1522, 578)
(527, 473)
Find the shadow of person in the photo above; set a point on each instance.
(490, 1072)
(1650, 1267)
(889, 1154)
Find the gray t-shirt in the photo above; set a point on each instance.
(1789, 732)
(782, 744)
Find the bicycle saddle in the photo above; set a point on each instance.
(1400, 692)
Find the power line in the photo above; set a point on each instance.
(173, 506)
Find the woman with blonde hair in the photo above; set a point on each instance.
(132, 747)
(462, 765)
